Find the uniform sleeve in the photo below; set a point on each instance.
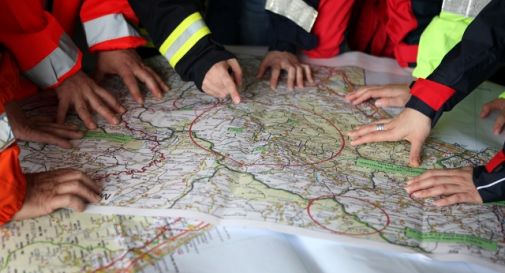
(46, 55)
(12, 180)
(490, 179)
(473, 60)
(181, 35)
(291, 22)
(108, 25)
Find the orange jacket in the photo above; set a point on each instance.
(12, 180)
(45, 53)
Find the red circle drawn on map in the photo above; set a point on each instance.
(309, 212)
(241, 163)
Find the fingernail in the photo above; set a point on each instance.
(378, 103)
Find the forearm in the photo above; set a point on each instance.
(179, 31)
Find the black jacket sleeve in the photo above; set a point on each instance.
(286, 35)
(490, 179)
(477, 57)
(161, 18)
(479, 54)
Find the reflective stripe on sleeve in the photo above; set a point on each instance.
(183, 38)
(55, 65)
(467, 8)
(295, 10)
(108, 27)
(6, 135)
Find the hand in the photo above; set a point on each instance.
(277, 60)
(495, 105)
(410, 125)
(83, 93)
(219, 83)
(391, 95)
(454, 186)
(40, 129)
(64, 188)
(128, 65)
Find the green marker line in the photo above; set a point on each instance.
(120, 138)
(497, 203)
(451, 238)
(388, 167)
(235, 129)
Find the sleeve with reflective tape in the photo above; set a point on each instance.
(291, 22)
(46, 55)
(180, 33)
(108, 25)
(473, 60)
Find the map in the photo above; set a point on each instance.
(73, 242)
(278, 160)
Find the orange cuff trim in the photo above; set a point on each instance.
(496, 161)
(76, 68)
(119, 43)
(432, 93)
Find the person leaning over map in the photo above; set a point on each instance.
(179, 32)
(441, 35)
(479, 55)
(31, 195)
(37, 34)
(381, 28)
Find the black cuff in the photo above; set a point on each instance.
(489, 185)
(197, 61)
(419, 105)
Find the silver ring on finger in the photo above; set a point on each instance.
(379, 127)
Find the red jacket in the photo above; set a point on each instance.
(45, 53)
(12, 180)
(389, 28)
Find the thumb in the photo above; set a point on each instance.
(416, 149)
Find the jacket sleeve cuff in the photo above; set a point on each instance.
(111, 32)
(490, 185)
(429, 97)
(432, 93)
(13, 184)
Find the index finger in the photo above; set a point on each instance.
(229, 85)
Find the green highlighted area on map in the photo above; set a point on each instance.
(120, 138)
(451, 238)
(388, 167)
(235, 129)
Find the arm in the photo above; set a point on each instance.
(107, 25)
(55, 57)
(178, 30)
(291, 22)
(480, 53)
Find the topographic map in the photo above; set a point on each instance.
(279, 160)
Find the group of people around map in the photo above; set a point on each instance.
(453, 46)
